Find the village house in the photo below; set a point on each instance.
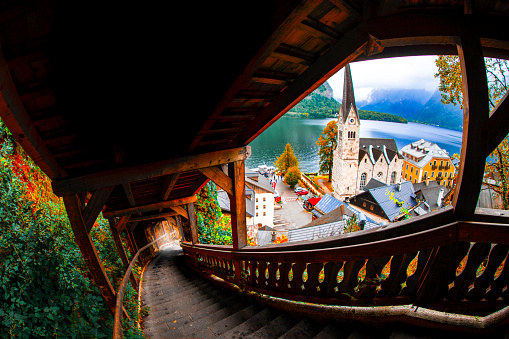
(357, 160)
(424, 160)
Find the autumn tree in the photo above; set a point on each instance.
(496, 173)
(286, 160)
(327, 143)
(292, 176)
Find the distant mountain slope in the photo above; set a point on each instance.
(319, 104)
(434, 112)
(402, 102)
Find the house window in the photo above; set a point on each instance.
(363, 204)
(407, 166)
(416, 172)
(411, 170)
(425, 175)
(256, 199)
(363, 180)
(256, 206)
(351, 135)
(446, 174)
(441, 163)
(264, 198)
(371, 207)
(257, 214)
(264, 206)
(434, 163)
(410, 178)
(432, 174)
(264, 214)
(393, 178)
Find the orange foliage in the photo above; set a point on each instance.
(281, 239)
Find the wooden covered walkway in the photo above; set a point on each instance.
(104, 98)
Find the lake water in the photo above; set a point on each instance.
(302, 134)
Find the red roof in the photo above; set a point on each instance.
(314, 201)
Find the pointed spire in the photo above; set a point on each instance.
(348, 95)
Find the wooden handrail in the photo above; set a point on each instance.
(118, 331)
(349, 273)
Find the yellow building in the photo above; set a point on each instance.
(424, 160)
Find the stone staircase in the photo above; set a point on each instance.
(185, 305)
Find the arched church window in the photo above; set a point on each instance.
(393, 178)
(363, 181)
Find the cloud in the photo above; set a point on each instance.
(405, 72)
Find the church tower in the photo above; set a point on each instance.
(346, 156)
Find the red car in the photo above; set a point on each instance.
(301, 191)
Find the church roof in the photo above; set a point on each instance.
(348, 96)
(378, 143)
(375, 148)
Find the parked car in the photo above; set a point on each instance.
(301, 191)
(277, 197)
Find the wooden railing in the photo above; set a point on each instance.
(118, 331)
(459, 267)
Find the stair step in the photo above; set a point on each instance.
(253, 324)
(234, 320)
(275, 328)
(306, 328)
(334, 331)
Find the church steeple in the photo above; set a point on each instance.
(348, 96)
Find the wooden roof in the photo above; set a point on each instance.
(95, 90)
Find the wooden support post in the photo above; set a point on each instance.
(475, 122)
(88, 251)
(121, 252)
(179, 224)
(192, 223)
(236, 172)
(95, 205)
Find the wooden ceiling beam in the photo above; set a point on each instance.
(169, 184)
(92, 182)
(181, 211)
(152, 217)
(129, 193)
(149, 207)
(340, 54)
(15, 116)
(299, 13)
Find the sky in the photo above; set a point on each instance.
(405, 72)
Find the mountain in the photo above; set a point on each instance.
(319, 104)
(434, 112)
(402, 102)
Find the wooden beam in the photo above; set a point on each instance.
(88, 251)
(181, 211)
(236, 171)
(179, 224)
(340, 54)
(16, 118)
(152, 217)
(168, 185)
(219, 178)
(133, 226)
(121, 251)
(149, 207)
(123, 222)
(95, 205)
(475, 122)
(498, 125)
(192, 223)
(129, 193)
(301, 11)
(92, 182)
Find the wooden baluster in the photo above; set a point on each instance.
(260, 277)
(499, 283)
(497, 256)
(332, 283)
(373, 269)
(441, 272)
(327, 268)
(272, 281)
(313, 270)
(296, 283)
(351, 270)
(478, 252)
(399, 264)
(413, 280)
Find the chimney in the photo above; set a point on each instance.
(342, 209)
(399, 187)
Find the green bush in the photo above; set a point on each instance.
(45, 287)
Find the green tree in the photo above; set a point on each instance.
(496, 174)
(286, 160)
(292, 176)
(213, 227)
(327, 142)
